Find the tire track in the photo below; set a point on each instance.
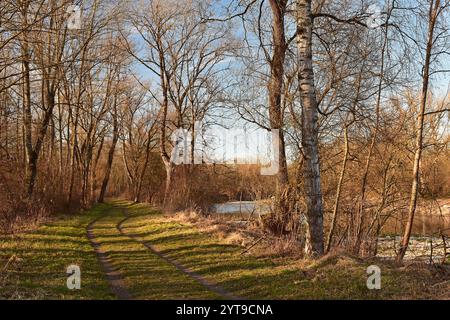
(113, 276)
(200, 279)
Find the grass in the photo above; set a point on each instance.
(43, 255)
(145, 274)
(39, 260)
(268, 278)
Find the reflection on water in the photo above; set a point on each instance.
(244, 208)
(424, 225)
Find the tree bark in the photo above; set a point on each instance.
(74, 157)
(165, 79)
(94, 167)
(311, 169)
(275, 84)
(31, 169)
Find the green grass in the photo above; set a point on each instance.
(39, 272)
(146, 275)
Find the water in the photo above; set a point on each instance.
(419, 248)
(424, 224)
(427, 229)
(244, 208)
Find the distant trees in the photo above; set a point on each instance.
(139, 138)
(60, 78)
(42, 47)
(184, 56)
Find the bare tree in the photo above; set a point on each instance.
(436, 11)
(183, 54)
(313, 194)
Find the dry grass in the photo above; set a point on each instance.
(245, 233)
(224, 229)
(19, 215)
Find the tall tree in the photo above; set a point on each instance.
(436, 9)
(275, 85)
(310, 141)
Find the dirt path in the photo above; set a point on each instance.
(208, 285)
(113, 276)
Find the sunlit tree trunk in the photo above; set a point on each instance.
(311, 169)
(432, 17)
(163, 128)
(94, 167)
(137, 197)
(275, 84)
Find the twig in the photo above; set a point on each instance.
(440, 283)
(444, 257)
(252, 245)
(10, 260)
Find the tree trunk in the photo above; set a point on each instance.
(162, 135)
(94, 168)
(60, 143)
(101, 197)
(137, 197)
(169, 170)
(276, 83)
(311, 171)
(432, 16)
(361, 208)
(27, 116)
(73, 164)
(87, 162)
(338, 191)
(33, 152)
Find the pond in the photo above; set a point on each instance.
(242, 208)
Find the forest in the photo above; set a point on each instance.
(298, 134)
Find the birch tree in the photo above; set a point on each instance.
(311, 172)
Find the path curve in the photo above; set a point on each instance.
(208, 285)
(113, 276)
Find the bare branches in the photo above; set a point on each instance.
(356, 20)
(236, 15)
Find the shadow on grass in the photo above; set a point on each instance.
(145, 274)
